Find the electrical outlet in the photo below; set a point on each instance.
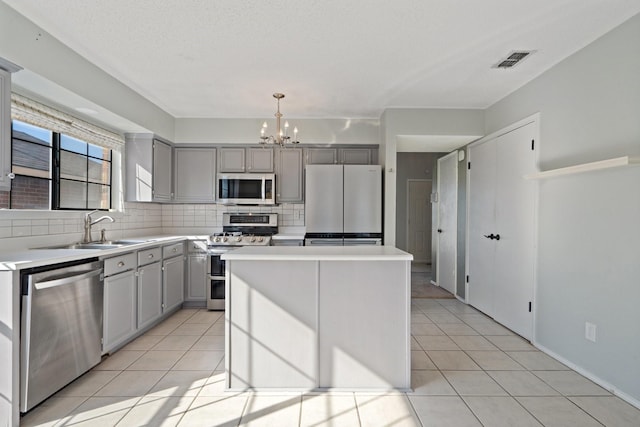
(590, 331)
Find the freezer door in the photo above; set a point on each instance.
(362, 199)
(323, 198)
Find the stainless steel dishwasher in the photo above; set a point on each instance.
(61, 327)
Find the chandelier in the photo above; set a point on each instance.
(282, 134)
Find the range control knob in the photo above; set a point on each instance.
(238, 239)
(217, 239)
(253, 239)
(260, 239)
(225, 238)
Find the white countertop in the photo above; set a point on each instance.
(318, 253)
(17, 260)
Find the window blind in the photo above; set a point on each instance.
(29, 111)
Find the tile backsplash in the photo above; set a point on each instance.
(138, 218)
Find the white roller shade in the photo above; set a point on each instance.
(35, 113)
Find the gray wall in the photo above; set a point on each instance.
(589, 227)
(410, 166)
(25, 44)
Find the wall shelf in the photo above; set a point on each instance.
(586, 167)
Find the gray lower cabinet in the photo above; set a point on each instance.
(120, 296)
(289, 169)
(172, 283)
(197, 276)
(149, 294)
(195, 175)
(287, 242)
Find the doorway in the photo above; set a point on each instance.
(419, 219)
(447, 222)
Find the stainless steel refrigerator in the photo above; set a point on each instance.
(343, 205)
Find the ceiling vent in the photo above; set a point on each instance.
(514, 58)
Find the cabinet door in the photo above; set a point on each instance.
(149, 294)
(289, 175)
(161, 171)
(322, 156)
(231, 159)
(259, 160)
(197, 274)
(119, 309)
(5, 130)
(195, 174)
(172, 283)
(355, 156)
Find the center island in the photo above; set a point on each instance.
(318, 318)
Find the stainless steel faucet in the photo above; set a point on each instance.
(88, 223)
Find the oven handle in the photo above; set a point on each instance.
(212, 277)
(218, 251)
(263, 184)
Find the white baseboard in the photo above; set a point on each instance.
(434, 283)
(602, 383)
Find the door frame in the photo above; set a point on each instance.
(409, 180)
(535, 119)
(455, 242)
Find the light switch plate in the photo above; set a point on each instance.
(590, 331)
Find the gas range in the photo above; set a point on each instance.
(238, 230)
(238, 239)
(245, 229)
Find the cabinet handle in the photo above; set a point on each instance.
(150, 256)
(175, 250)
(121, 264)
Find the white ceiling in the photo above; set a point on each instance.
(332, 58)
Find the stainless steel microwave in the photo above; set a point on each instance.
(246, 189)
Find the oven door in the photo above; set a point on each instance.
(216, 269)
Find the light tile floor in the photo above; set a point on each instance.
(466, 371)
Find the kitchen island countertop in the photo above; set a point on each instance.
(319, 253)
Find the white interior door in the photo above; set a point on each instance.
(419, 219)
(515, 224)
(447, 231)
(502, 228)
(481, 250)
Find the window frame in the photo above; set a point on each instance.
(55, 179)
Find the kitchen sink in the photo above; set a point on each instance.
(109, 244)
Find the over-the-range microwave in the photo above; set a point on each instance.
(246, 189)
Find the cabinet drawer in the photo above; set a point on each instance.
(172, 250)
(148, 256)
(197, 246)
(119, 264)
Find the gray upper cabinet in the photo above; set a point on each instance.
(289, 175)
(5, 130)
(321, 156)
(148, 166)
(358, 156)
(195, 174)
(162, 163)
(259, 160)
(231, 159)
(236, 159)
(342, 156)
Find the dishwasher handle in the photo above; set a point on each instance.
(67, 280)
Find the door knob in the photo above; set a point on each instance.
(497, 237)
(439, 230)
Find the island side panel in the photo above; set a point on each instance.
(364, 317)
(272, 324)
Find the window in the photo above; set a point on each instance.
(56, 171)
